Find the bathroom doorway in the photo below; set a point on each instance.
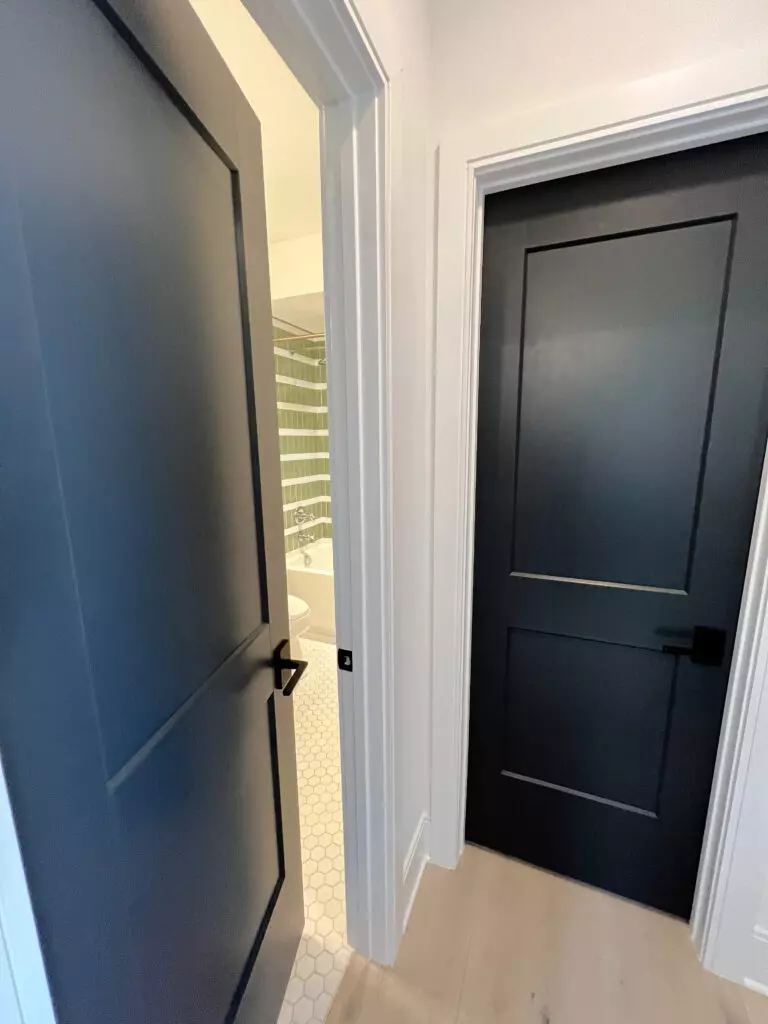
(302, 410)
(290, 125)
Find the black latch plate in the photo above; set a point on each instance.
(345, 660)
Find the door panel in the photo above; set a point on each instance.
(594, 500)
(622, 426)
(150, 761)
(587, 716)
(136, 228)
(202, 874)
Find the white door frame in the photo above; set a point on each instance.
(326, 47)
(491, 158)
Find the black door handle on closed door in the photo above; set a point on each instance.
(282, 663)
(708, 647)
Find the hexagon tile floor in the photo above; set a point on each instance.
(323, 951)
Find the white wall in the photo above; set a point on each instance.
(290, 121)
(399, 32)
(500, 56)
(290, 131)
(296, 265)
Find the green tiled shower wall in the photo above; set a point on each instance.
(313, 448)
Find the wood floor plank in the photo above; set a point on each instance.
(430, 968)
(356, 997)
(505, 977)
(757, 1006)
(500, 941)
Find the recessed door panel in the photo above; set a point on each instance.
(588, 717)
(619, 357)
(201, 874)
(134, 253)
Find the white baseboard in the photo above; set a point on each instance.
(413, 868)
(756, 986)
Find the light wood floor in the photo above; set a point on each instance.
(497, 940)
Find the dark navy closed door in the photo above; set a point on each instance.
(149, 754)
(622, 428)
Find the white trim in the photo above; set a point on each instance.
(303, 456)
(292, 481)
(290, 530)
(318, 499)
(715, 925)
(416, 860)
(756, 986)
(296, 356)
(310, 385)
(359, 396)
(470, 167)
(298, 407)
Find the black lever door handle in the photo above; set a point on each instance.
(708, 647)
(281, 663)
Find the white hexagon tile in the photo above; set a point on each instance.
(323, 952)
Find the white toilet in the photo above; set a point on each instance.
(300, 617)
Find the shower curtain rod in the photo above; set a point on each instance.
(303, 337)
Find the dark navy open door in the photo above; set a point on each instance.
(142, 588)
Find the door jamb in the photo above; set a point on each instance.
(471, 167)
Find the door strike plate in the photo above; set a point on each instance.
(345, 660)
